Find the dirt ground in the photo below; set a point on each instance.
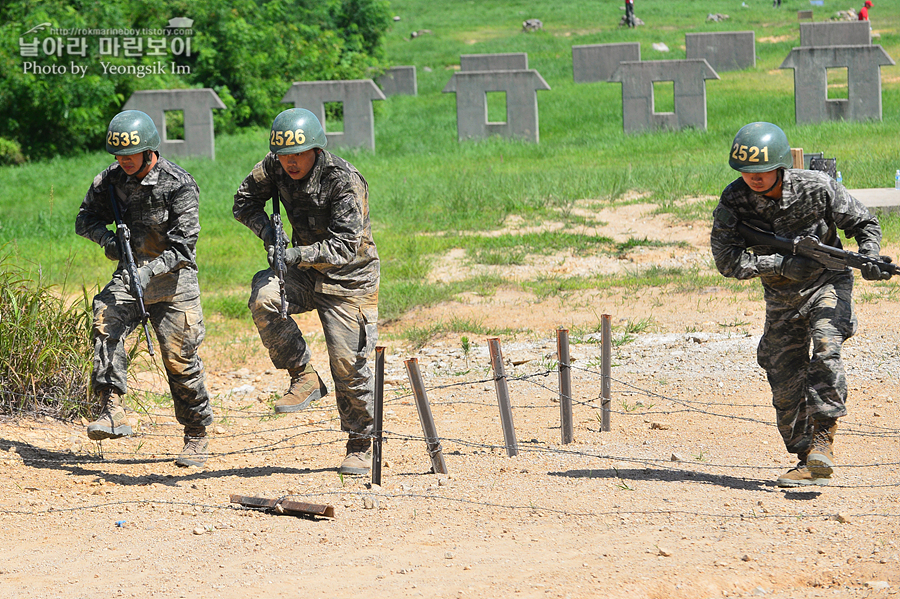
(676, 501)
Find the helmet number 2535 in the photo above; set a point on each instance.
(123, 139)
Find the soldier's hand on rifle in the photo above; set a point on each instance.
(268, 238)
(871, 272)
(143, 277)
(292, 256)
(110, 245)
(796, 268)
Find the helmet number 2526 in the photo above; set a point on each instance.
(287, 138)
(751, 154)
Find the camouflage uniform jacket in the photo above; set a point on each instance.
(329, 214)
(162, 212)
(811, 204)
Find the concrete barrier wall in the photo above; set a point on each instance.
(841, 33)
(521, 103)
(724, 51)
(689, 77)
(516, 61)
(196, 105)
(356, 96)
(598, 62)
(811, 64)
(399, 81)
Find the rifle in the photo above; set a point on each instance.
(810, 247)
(280, 244)
(124, 235)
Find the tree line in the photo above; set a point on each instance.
(245, 50)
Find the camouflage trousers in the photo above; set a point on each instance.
(178, 322)
(807, 387)
(351, 332)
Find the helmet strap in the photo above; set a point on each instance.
(778, 179)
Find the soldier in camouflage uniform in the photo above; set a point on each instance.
(333, 268)
(805, 303)
(159, 202)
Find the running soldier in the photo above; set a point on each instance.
(805, 303)
(333, 268)
(158, 202)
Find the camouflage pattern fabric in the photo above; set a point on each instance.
(162, 212)
(338, 274)
(803, 386)
(351, 333)
(178, 323)
(329, 215)
(817, 311)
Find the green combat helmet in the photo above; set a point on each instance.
(131, 132)
(760, 148)
(296, 130)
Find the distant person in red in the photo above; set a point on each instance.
(864, 11)
(629, 13)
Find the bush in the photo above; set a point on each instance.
(10, 152)
(45, 349)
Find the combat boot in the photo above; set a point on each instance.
(306, 387)
(112, 422)
(821, 457)
(359, 459)
(196, 447)
(800, 476)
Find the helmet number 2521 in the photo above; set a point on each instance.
(751, 154)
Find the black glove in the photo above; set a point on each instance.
(110, 245)
(268, 237)
(871, 272)
(291, 256)
(796, 268)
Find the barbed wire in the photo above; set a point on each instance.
(531, 507)
(291, 435)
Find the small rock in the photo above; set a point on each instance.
(396, 17)
(532, 25)
(664, 552)
(759, 592)
(676, 458)
(659, 426)
(877, 585)
(370, 502)
(243, 390)
(199, 530)
(841, 517)
(219, 430)
(746, 558)
(660, 47)
(448, 555)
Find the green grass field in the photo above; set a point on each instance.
(423, 181)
